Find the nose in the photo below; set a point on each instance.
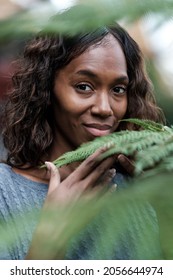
(102, 106)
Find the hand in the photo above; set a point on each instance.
(91, 176)
(126, 163)
(58, 222)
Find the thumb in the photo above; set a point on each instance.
(54, 176)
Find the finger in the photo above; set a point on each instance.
(126, 163)
(104, 186)
(91, 180)
(87, 166)
(105, 181)
(107, 177)
(54, 176)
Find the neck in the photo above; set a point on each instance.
(59, 147)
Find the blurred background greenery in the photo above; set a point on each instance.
(150, 23)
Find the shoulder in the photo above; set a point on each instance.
(6, 191)
(5, 173)
(10, 191)
(20, 188)
(5, 167)
(6, 182)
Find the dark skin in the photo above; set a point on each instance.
(90, 97)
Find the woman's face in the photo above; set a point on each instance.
(90, 94)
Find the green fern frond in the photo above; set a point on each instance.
(165, 165)
(153, 155)
(127, 143)
(117, 138)
(146, 124)
(150, 146)
(169, 129)
(141, 142)
(78, 155)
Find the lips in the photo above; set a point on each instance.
(98, 129)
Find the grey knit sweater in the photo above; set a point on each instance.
(19, 195)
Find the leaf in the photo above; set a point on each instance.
(146, 124)
(149, 145)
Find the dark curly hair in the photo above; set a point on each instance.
(28, 132)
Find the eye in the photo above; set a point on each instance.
(84, 87)
(119, 90)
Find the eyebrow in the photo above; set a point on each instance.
(89, 73)
(86, 73)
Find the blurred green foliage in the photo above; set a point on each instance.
(83, 17)
(156, 189)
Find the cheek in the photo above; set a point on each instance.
(120, 108)
(68, 105)
(67, 100)
(124, 106)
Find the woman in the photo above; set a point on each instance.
(67, 91)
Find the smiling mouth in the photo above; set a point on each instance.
(98, 130)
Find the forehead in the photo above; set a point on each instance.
(106, 55)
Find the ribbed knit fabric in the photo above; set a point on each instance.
(19, 195)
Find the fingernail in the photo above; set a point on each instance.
(113, 172)
(121, 159)
(47, 165)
